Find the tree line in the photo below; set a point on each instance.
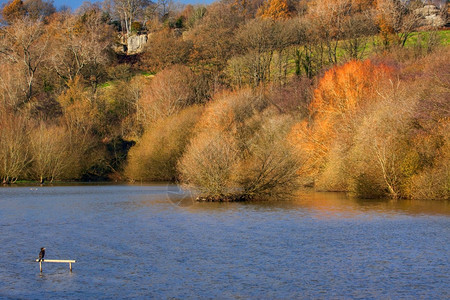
(239, 99)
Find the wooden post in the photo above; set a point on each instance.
(70, 267)
(40, 266)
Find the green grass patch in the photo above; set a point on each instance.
(444, 36)
(423, 37)
(147, 74)
(105, 84)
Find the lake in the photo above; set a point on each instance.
(139, 241)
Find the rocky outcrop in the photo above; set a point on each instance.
(133, 44)
(430, 16)
(136, 43)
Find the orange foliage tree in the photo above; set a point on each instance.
(13, 10)
(340, 94)
(344, 88)
(275, 10)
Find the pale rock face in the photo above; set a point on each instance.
(430, 16)
(136, 43)
(133, 44)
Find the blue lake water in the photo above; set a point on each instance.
(132, 242)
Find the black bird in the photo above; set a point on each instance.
(42, 254)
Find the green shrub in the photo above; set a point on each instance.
(136, 27)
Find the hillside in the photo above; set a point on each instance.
(237, 99)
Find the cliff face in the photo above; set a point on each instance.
(132, 44)
(430, 16)
(136, 43)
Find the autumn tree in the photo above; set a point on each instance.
(396, 20)
(37, 9)
(357, 30)
(165, 49)
(155, 156)
(330, 17)
(213, 38)
(81, 46)
(50, 151)
(128, 11)
(120, 107)
(275, 10)
(381, 150)
(34, 9)
(194, 14)
(13, 10)
(209, 163)
(269, 168)
(259, 40)
(341, 93)
(12, 82)
(396, 146)
(430, 137)
(24, 45)
(293, 97)
(256, 43)
(15, 155)
(310, 56)
(170, 91)
(212, 156)
(246, 9)
(80, 118)
(239, 152)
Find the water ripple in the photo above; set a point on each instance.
(131, 242)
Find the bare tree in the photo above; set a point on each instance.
(357, 29)
(15, 156)
(239, 151)
(209, 163)
(81, 46)
(170, 91)
(129, 10)
(50, 152)
(164, 8)
(25, 43)
(37, 9)
(213, 37)
(397, 20)
(12, 82)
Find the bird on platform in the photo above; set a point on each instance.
(42, 254)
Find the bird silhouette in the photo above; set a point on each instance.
(42, 254)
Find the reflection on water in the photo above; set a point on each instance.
(335, 205)
(141, 242)
(338, 204)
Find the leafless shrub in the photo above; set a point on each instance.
(240, 151)
(155, 156)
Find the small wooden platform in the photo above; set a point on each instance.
(70, 261)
